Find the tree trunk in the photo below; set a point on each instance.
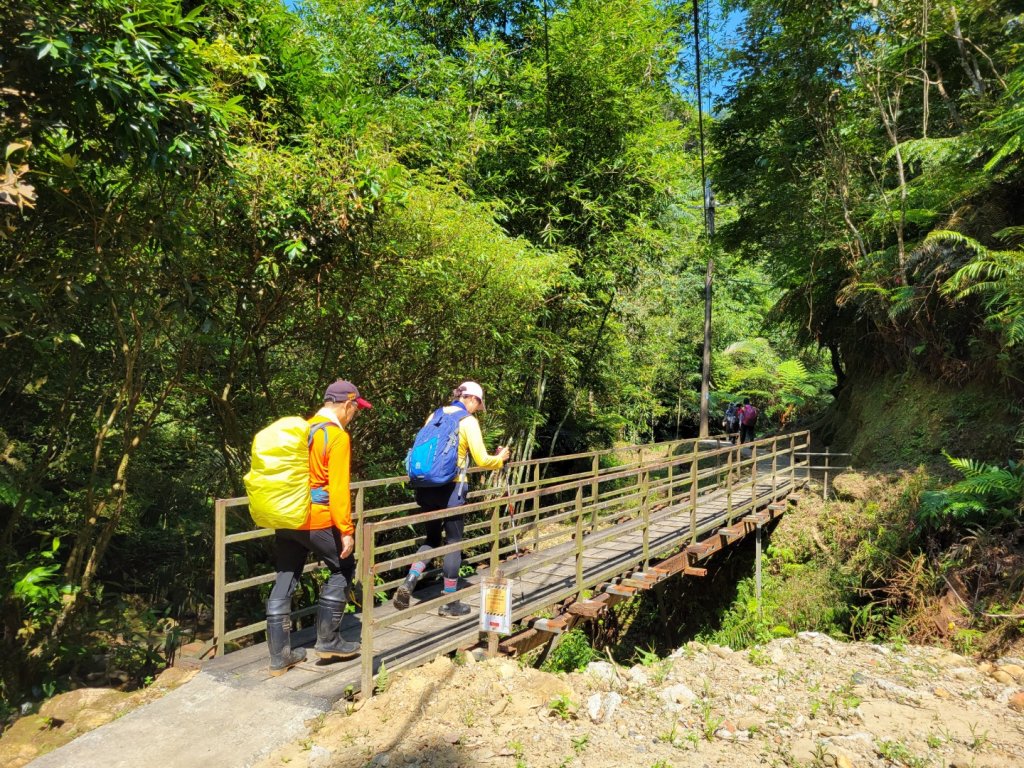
(967, 60)
(949, 103)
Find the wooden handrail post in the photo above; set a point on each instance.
(496, 538)
(579, 539)
(753, 477)
(639, 475)
(824, 490)
(219, 575)
(645, 512)
(672, 482)
(775, 466)
(595, 468)
(792, 461)
(366, 576)
(694, 467)
(536, 506)
(358, 515)
(728, 486)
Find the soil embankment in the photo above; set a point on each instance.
(807, 701)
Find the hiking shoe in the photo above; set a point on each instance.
(404, 592)
(454, 610)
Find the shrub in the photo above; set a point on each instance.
(572, 654)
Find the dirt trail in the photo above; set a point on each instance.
(807, 701)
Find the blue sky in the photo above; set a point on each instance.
(725, 34)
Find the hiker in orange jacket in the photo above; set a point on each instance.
(328, 533)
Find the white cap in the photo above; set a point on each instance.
(472, 388)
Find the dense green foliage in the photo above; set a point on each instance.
(856, 136)
(209, 211)
(988, 495)
(894, 557)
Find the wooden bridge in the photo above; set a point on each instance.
(580, 531)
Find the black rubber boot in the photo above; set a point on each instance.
(404, 592)
(282, 657)
(329, 643)
(455, 609)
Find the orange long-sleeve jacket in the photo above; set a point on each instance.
(331, 472)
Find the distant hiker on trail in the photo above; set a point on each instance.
(326, 531)
(731, 422)
(748, 421)
(437, 465)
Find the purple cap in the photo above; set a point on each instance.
(342, 391)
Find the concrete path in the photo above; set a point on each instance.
(206, 722)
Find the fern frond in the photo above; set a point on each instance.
(902, 299)
(1014, 331)
(792, 372)
(1009, 233)
(957, 238)
(968, 467)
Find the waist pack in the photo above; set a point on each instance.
(278, 482)
(434, 456)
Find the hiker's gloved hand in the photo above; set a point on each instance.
(348, 543)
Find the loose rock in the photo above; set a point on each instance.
(1017, 702)
(601, 706)
(1014, 671)
(601, 670)
(677, 696)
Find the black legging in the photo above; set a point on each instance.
(444, 497)
(292, 548)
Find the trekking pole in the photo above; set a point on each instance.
(511, 509)
(512, 518)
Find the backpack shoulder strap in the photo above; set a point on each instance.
(322, 426)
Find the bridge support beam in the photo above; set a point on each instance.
(757, 568)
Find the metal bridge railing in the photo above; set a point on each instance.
(558, 510)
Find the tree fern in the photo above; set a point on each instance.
(1007, 129)
(996, 276)
(987, 494)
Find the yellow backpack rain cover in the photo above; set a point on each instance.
(278, 483)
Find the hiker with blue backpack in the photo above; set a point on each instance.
(731, 422)
(437, 465)
(299, 486)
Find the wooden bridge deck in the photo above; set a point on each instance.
(539, 580)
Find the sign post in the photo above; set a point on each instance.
(495, 609)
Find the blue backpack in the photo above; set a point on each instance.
(433, 458)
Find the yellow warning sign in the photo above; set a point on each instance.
(496, 605)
